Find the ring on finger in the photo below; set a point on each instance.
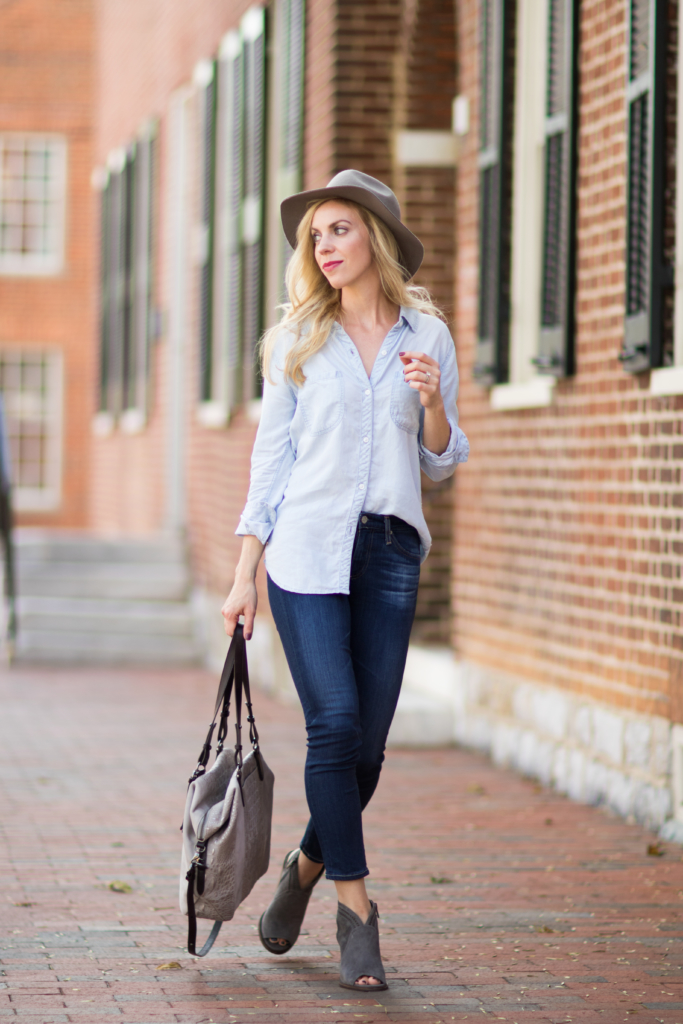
(427, 377)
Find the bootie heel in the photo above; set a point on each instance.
(359, 945)
(285, 915)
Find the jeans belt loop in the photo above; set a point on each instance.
(387, 529)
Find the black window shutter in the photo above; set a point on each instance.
(556, 342)
(207, 128)
(142, 320)
(497, 63)
(292, 42)
(118, 281)
(128, 283)
(647, 276)
(229, 194)
(105, 292)
(253, 34)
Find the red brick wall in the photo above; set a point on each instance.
(567, 548)
(46, 85)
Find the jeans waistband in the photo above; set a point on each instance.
(372, 521)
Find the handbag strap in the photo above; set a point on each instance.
(223, 698)
(192, 920)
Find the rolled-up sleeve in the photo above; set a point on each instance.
(439, 467)
(273, 455)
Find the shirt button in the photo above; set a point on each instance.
(367, 392)
(383, 352)
(361, 486)
(363, 519)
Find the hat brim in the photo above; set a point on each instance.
(294, 207)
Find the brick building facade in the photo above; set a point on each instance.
(47, 274)
(567, 555)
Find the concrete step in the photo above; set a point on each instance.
(89, 600)
(46, 546)
(81, 647)
(133, 618)
(122, 580)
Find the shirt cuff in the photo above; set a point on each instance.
(257, 520)
(457, 451)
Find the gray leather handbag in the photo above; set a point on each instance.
(228, 813)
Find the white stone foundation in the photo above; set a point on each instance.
(592, 752)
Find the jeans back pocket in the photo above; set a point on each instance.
(405, 405)
(322, 402)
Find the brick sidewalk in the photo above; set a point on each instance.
(498, 899)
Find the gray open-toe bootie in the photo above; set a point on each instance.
(359, 944)
(285, 915)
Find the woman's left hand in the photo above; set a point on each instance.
(424, 375)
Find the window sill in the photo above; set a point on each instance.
(532, 394)
(35, 499)
(213, 415)
(667, 381)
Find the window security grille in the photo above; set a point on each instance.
(126, 321)
(32, 201)
(497, 54)
(647, 276)
(556, 348)
(31, 387)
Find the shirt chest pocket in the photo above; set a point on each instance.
(322, 402)
(405, 405)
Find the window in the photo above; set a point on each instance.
(497, 31)
(648, 280)
(126, 314)
(542, 275)
(32, 201)
(230, 239)
(31, 388)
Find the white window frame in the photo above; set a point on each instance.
(668, 380)
(48, 498)
(35, 264)
(527, 388)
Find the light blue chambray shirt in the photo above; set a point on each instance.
(343, 444)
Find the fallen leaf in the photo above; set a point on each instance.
(441, 880)
(656, 850)
(548, 821)
(120, 887)
(173, 965)
(26, 903)
(117, 844)
(477, 789)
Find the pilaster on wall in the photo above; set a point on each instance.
(320, 103)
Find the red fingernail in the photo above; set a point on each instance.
(401, 353)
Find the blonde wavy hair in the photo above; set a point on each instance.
(314, 304)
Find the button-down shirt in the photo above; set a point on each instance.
(341, 444)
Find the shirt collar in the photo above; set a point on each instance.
(409, 317)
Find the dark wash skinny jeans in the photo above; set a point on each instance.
(347, 653)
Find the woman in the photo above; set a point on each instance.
(360, 394)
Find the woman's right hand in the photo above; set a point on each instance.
(243, 598)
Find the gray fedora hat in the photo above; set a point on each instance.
(367, 192)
